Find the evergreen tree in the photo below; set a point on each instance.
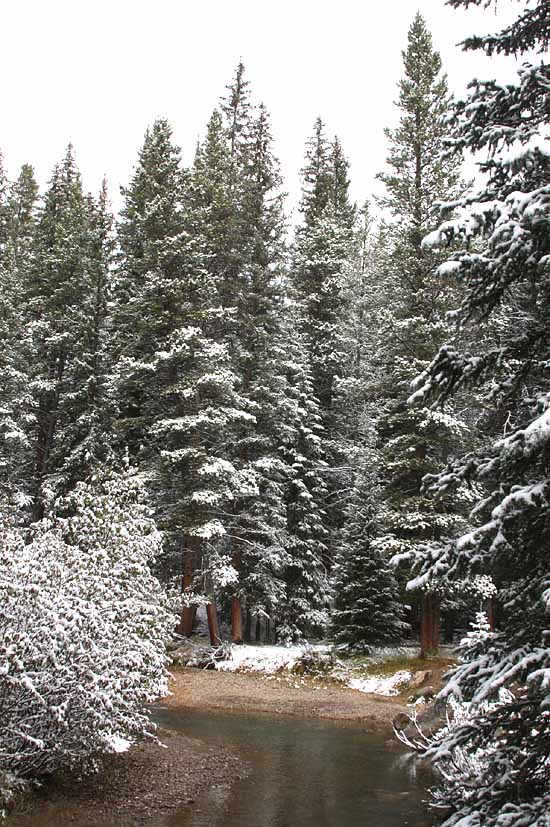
(304, 609)
(367, 610)
(235, 190)
(322, 250)
(494, 763)
(259, 528)
(21, 216)
(18, 227)
(63, 306)
(148, 290)
(11, 435)
(197, 483)
(421, 172)
(176, 389)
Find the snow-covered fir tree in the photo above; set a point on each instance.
(148, 287)
(17, 224)
(322, 249)
(304, 610)
(503, 744)
(61, 268)
(413, 442)
(367, 608)
(236, 189)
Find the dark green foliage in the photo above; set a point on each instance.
(367, 611)
(413, 442)
(506, 272)
(60, 265)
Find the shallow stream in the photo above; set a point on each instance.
(305, 773)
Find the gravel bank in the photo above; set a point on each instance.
(145, 786)
(254, 693)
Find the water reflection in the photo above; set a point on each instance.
(306, 774)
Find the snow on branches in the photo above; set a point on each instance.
(83, 624)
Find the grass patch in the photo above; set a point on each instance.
(388, 666)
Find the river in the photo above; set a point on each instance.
(305, 773)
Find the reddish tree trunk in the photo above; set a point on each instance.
(188, 613)
(213, 629)
(491, 613)
(236, 620)
(236, 608)
(429, 625)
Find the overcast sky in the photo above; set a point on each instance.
(97, 72)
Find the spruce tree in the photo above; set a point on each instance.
(148, 288)
(322, 250)
(63, 304)
(304, 611)
(176, 389)
(494, 763)
(367, 610)
(323, 244)
(413, 442)
(235, 188)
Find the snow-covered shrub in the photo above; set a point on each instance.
(315, 662)
(83, 625)
(11, 788)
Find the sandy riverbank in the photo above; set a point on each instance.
(255, 693)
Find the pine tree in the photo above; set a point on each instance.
(11, 435)
(148, 289)
(504, 738)
(176, 389)
(367, 610)
(322, 247)
(19, 223)
(421, 171)
(322, 251)
(197, 483)
(259, 528)
(235, 190)
(63, 301)
(307, 592)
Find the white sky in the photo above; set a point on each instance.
(97, 72)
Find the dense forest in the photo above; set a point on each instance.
(336, 430)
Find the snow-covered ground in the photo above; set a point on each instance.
(270, 660)
(379, 685)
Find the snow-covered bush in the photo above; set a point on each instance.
(83, 625)
(315, 662)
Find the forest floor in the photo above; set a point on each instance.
(148, 785)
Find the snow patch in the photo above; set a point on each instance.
(268, 659)
(379, 685)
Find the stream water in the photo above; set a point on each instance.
(305, 774)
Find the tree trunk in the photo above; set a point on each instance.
(213, 629)
(258, 629)
(429, 625)
(188, 613)
(236, 620)
(236, 608)
(248, 627)
(491, 613)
